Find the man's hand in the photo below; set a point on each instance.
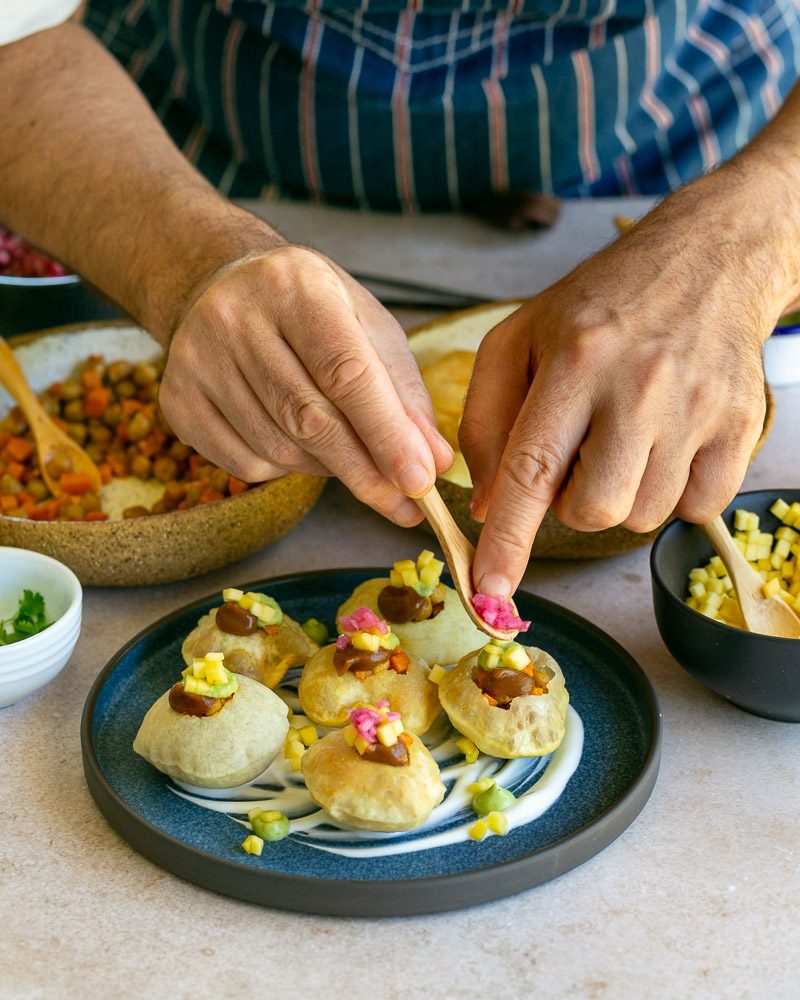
(633, 387)
(285, 363)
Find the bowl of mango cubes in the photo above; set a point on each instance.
(698, 613)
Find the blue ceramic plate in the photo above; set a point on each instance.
(614, 779)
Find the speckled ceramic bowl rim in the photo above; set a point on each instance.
(378, 897)
(663, 540)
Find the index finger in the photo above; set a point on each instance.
(354, 378)
(541, 448)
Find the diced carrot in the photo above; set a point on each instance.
(405, 738)
(236, 486)
(362, 675)
(489, 698)
(41, 513)
(131, 406)
(59, 422)
(105, 472)
(91, 378)
(20, 449)
(121, 430)
(272, 629)
(97, 515)
(74, 483)
(399, 662)
(15, 469)
(23, 498)
(210, 495)
(118, 463)
(151, 445)
(96, 401)
(7, 502)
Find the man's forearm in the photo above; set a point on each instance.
(88, 173)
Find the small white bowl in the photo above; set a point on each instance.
(782, 353)
(30, 663)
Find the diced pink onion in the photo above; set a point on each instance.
(342, 641)
(362, 620)
(382, 704)
(499, 612)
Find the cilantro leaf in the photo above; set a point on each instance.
(30, 618)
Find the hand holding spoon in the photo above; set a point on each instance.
(766, 615)
(51, 441)
(458, 554)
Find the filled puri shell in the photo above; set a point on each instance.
(217, 751)
(532, 726)
(326, 698)
(265, 658)
(367, 795)
(443, 639)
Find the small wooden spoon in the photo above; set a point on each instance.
(765, 615)
(458, 553)
(51, 441)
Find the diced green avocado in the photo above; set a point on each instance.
(270, 829)
(425, 589)
(494, 799)
(392, 641)
(215, 690)
(272, 603)
(316, 631)
(488, 658)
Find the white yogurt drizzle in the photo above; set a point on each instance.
(282, 789)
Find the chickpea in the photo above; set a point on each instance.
(165, 469)
(179, 451)
(125, 389)
(113, 414)
(10, 484)
(141, 466)
(77, 432)
(139, 427)
(219, 480)
(144, 374)
(37, 489)
(71, 389)
(118, 370)
(73, 411)
(96, 452)
(137, 511)
(91, 501)
(99, 433)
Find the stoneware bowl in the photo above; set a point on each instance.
(162, 547)
(758, 673)
(29, 664)
(464, 331)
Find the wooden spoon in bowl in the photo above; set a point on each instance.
(458, 554)
(765, 615)
(51, 442)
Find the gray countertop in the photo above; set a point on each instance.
(698, 898)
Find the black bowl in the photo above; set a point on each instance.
(28, 304)
(758, 673)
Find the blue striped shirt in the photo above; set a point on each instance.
(432, 104)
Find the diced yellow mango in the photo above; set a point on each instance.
(232, 595)
(779, 508)
(349, 733)
(361, 744)
(478, 830)
(410, 578)
(741, 519)
(498, 823)
(309, 735)
(771, 587)
(425, 557)
(718, 566)
(437, 674)
(403, 565)
(246, 602)
(215, 657)
(698, 575)
(386, 734)
(482, 785)
(395, 579)
(366, 641)
(753, 521)
(253, 845)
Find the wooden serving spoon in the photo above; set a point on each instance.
(766, 615)
(458, 554)
(51, 441)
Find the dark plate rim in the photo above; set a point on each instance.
(374, 897)
(663, 539)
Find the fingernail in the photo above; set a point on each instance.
(406, 514)
(495, 585)
(415, 480)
